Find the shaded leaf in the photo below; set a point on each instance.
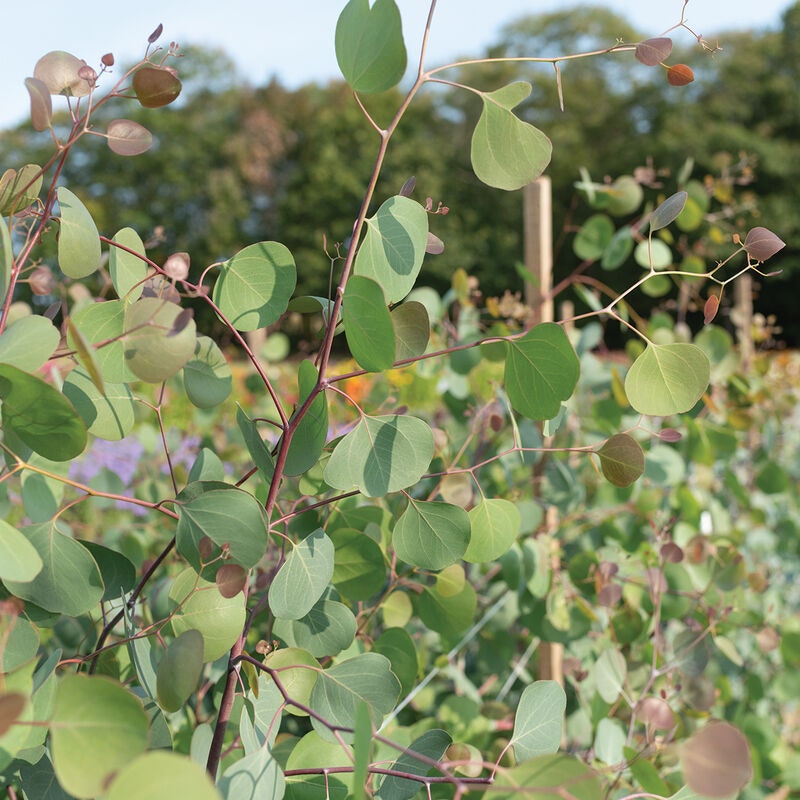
(40, 416)
(446, 613)
(668, 211)
(303, 577)
(155, 86)
(41, 104)
(716, 760)
(547, 777)
(179, 670)
(207, 376)
(667, 379)
(311, 433)
(610, 673)
(381, 455)
(369, 45)
(117, 571)
(368, 324)
(253, 777)
(78, 240)
(109, 414)
(432, 745)
(621, 459)
(594, 237)
(19, 189)
(127, 269)
(393, 247)
(359, 567)
(506, 152)
(652, 52)
(762, 244)
(710, 308)
(412, 329)
(431, 535)
(128, 138)
(258, 450)
(541, 371)
(326, 630)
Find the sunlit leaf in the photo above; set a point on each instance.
(254, 287)
(78, 240)
(667, 379)
(155, 86)
(127, 269)
(369, 45)
(610, 673)
(152, 352)
(368, 324)
(19, 559)
(495, 524)
(98, 726)
(539, 720)
(179, 670)
(162, 775)
(102, 325)
(19, 189)
(541, 372)
(431, 535)
(506, 152)
(28, 342)
(6, 259)
(621, 459)
(381, 455)
(394, 247)
(58, 71)
(40, 416)
(303, 577)
(128, 138)
(297, 672)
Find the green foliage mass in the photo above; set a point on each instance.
(479, 556)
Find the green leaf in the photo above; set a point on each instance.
(368, 324)
(254, 287)
(369, 45)
(303, 577)
(594, 237)
(220, 619)
(6, 259)
(621, 459)
(495, 525)
(326, 630)
(412, 329)
(394, 247)
(20, 643)
(28, 342)
(109, 415)
(258, 450)
(69, 581)
(97, 727)
(338, 691)
(159, 341)
(381, 455)
(609, 743)
(39, 780)
(546, 778)
(539, 721)
(40, 415)
(446, 613)
(179, 670)
(117, 571)
(431, 535)
(359, 569)
(541, 372)
(667, 379)
(19, 559)
(78, 240)
(655, 254)
(232, 518)
(432, 745)
(610, 674)
(398, 646)
(128, 271)
(20, 188)
(309, 437)
(161, 775)
(207, 376)
(104, 323)
(618, 249)
(507, 153)
(297, 672)
(668, 211)
(254, 777)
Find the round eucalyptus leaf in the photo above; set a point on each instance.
(109, 414)
(78, 240)
(179, 670)
(28, 342)
(19, 559)
(161, 775)
(207, 376)
(128, 269)
(368, 324)
(431, 535)
(495, 525)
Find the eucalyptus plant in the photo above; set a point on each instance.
(274, 624)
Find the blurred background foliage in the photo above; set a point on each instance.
(233, 163)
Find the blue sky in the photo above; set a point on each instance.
(293, 39)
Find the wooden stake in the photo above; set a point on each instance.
(538, 230)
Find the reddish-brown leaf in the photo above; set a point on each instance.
(762, 244)
(231, 579)
(653, 51)
(41, 104)
(156, 86)
(679, 75)
(716, 761)
(11, 706)
(710, 309)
